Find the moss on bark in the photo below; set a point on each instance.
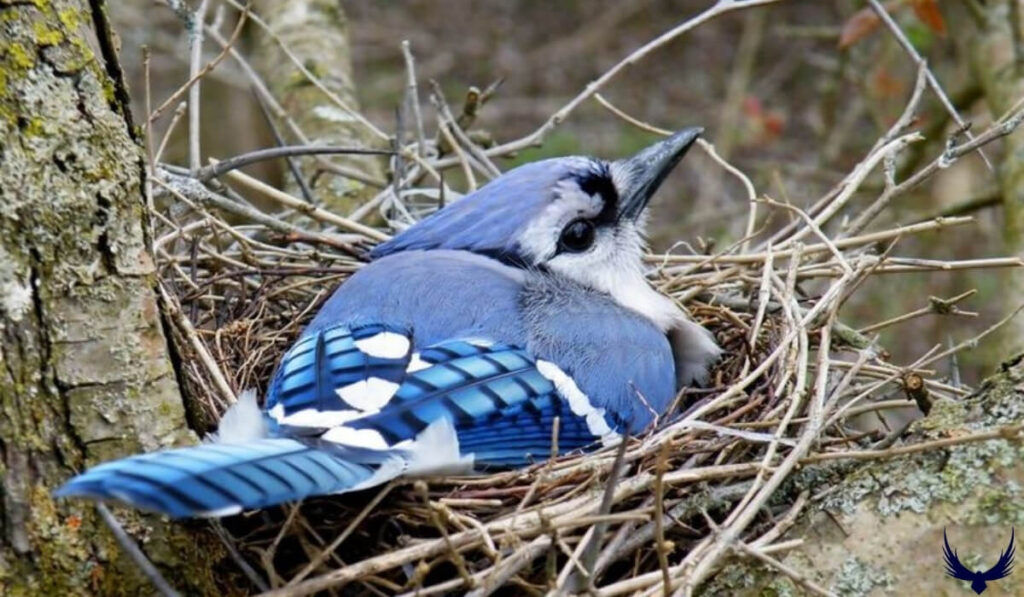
(84, 369)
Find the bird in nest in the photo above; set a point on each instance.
(456, 350)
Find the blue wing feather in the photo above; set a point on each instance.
(319, 363)
(492, 400)
(218, 479)
(460, 388)
(501, 406)
(523, 433)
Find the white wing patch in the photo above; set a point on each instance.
(241, 423)
(371, 439)
(435, 451)
(385, 345)
(579, 403)
(368, 395)
(417, 364)
(311, 417)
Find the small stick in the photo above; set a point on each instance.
(186, 328)
(333, 546)
(175, 118)
(935, 305)
(196, 54)
(453, 554)
(244, 566)
(315, 80)
(590, 549)
(135, 553)
(412, 89)
(916, 390)
(148, 131)
(659, 527)
(932, 81)
(305, 208)
(219, 167)
(792, 573)
(293, 166)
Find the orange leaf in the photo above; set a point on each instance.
(927, 12)
(861, 24)
(773, 125)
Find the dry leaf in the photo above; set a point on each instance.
(927, 12)
(861, 24)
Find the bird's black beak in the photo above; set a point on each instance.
(648, 169)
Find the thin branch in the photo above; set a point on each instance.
(196, 54)
(135, 553)
(920, 62)
(261, 155)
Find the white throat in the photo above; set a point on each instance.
(632, 291)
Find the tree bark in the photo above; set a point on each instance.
(998, 67)
(85, 373)
(877, 528)
(316, 33)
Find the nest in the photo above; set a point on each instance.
(791, 382)
(717, 475)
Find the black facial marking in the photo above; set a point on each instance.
(598, 181)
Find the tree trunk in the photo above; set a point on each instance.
(316, 33)
(85, 373)
(998, 67)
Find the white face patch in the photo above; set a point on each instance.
(368, 395)
(540, 239)
(385, 345)
(579, 403)
(612, 264)
(371, 439)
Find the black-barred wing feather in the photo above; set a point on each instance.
(500, 401)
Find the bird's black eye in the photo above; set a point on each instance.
(577, 236)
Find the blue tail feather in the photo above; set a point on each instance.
(220, 479)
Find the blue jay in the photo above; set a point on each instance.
(455, 350)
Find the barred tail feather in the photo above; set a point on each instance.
(219, 479)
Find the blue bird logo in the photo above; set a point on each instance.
(979, 579)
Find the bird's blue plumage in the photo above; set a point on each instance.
(614, 354)
(459, 347)
(320, 363)
(488, 222)
(219, 479)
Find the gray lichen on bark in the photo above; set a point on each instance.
(85, 373)
(877, 529)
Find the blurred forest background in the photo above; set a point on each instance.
(794, 94)
(802, 96)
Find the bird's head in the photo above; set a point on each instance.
(578, 217)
